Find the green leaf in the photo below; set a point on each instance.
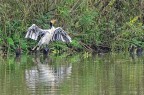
(10, 41)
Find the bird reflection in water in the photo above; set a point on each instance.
(45, 77)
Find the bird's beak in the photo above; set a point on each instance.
(53, 21)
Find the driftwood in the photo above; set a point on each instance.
(86, 47)
(96, 49)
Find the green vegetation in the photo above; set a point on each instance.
(92, 24)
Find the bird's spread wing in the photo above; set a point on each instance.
(34, 31)
(61, 35)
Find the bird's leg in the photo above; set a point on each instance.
(35, 47)
(47, 46)
(38, 48)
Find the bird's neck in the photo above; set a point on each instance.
(51, 25)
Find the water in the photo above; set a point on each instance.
(78, 74)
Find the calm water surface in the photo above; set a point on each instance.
(78, 74)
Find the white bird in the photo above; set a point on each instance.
(48, 35)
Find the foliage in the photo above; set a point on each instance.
(109, 23)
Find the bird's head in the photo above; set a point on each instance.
(52, 22)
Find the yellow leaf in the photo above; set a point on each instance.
(132, 21)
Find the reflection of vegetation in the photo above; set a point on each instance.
(11, 76)
(113, 24)
(91, 75)
(16, 64)
(110, 74)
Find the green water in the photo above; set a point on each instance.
(78, 74)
